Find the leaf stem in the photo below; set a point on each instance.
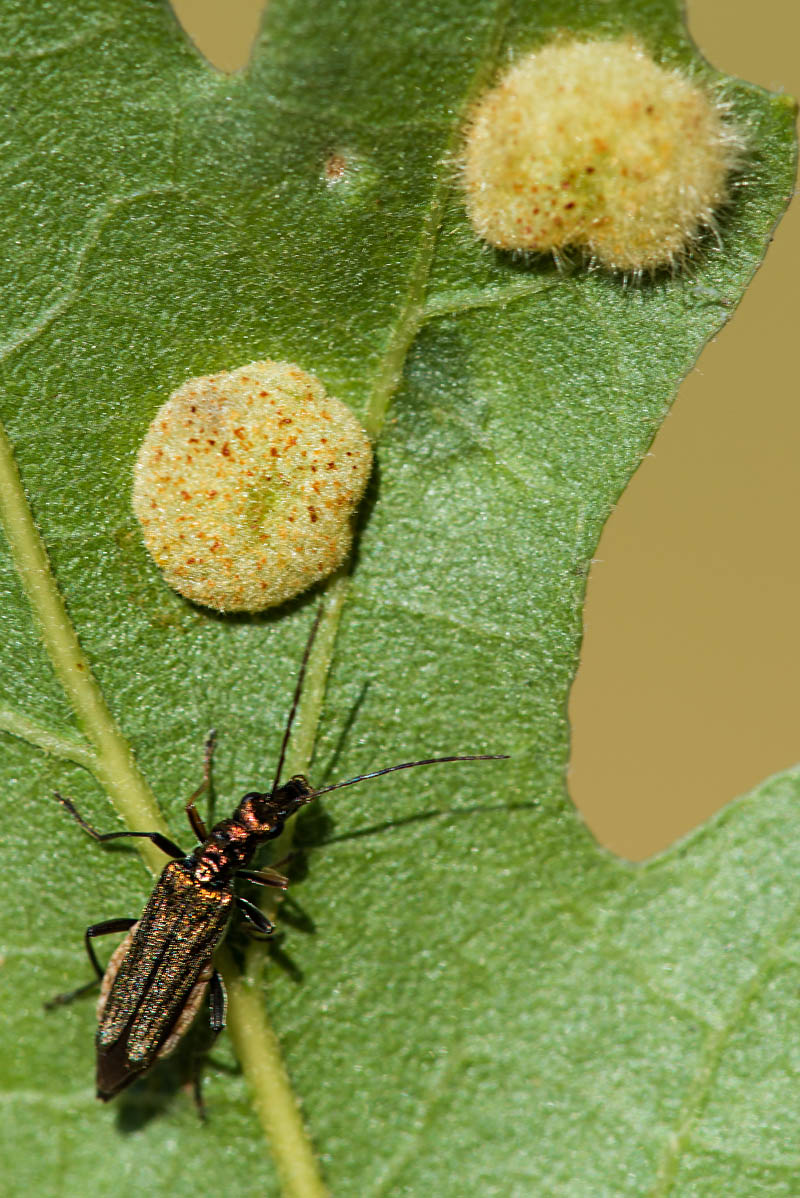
(410, 319)
(276, 1105)
(301, 745)
(115, 768)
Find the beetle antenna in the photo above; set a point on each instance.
(296, 699)
(407, 765)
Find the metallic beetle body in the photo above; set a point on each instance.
(147, 988)
(158, 977)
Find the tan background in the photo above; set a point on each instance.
(687, 691)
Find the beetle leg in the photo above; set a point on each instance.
(217, 1005)
(217, 1001)
(105, 928)
(95, 929)
(264, 877)
(256, 917)
(161, 842)
(193, 815)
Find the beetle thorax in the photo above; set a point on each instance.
(229, 847)
(233, 842)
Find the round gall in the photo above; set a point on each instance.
(594, 144)
(246, 484)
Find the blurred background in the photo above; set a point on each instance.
(686, 694)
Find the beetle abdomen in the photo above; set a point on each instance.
(156, 979)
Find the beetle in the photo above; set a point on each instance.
(158, 976)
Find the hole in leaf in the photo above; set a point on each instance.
(687, 691)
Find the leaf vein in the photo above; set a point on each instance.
(700, 1087)
(53, 743)
(483, 629)
(95, 226)
(455, 303)
(64, 45)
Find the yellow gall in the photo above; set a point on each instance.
(594, 144)
(246, 483)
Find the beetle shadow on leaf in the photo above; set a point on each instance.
(420, 817)
(282, 959)
(290, 912)
(241, 936)
(314, 826)
(326, 773)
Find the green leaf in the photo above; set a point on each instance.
(471, 997)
